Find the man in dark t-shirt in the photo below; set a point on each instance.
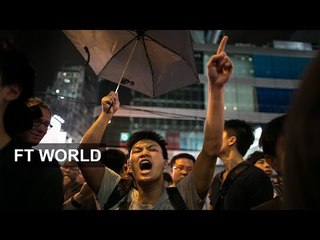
(240, 186)
(248, 189)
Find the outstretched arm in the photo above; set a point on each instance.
(94, 134)
(219, 70)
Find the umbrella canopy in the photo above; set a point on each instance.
(152, 62)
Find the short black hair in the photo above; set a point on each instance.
(151, 135)
(167, 177)
(242, 131)
(15, 67)
(113, 159)
(181, 155)
(255, 156)
(270, 134)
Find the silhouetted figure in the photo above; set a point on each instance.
(26, 183)
(272, 141)
(302, 160)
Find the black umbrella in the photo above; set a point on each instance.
(152, 62)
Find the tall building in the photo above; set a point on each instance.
(73, 96)
(263, 82)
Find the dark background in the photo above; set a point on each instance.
(49, 51)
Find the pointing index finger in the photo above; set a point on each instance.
(222, 44)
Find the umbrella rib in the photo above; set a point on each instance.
(171, 50)
(125, 67)
(123, 47)
(149, 61)
(164, 46)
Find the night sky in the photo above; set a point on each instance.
(49, 51)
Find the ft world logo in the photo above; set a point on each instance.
(59, 152)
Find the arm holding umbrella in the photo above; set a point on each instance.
(109, 105)
(219, 71)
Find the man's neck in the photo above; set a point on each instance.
(231, 160)
(149, 195)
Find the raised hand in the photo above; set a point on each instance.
(219, 67)
(112, 100)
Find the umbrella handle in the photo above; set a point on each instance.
(109, 108)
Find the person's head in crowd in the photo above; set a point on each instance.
(70, 170)
(16, 71)
(17, 78)
(302, 159)
(181, 165)
(258, 159)
(272, 142)
(237, 138)
(41, 116)
(167, 179)
(72, 179)
(148, 154)
(114, 159)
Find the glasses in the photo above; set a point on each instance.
(180, 169)
(39, 122)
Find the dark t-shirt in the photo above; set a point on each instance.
(31, 185)
(249, 189)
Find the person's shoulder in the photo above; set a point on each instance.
(10, 147)
(7, 149)
(218, 175)
(14, 154)
(272, 204)
(253, 171)
(257, 177)
(252, 174)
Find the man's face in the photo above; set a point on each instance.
(264, 165)
(39, 129)
(225, 143)
(182, 167)
(146, 161)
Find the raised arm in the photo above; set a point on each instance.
(93, 136)
(219, 70)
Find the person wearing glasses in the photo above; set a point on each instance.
(47, 173)
(181, 165)
(24, 186)
(41, 116)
